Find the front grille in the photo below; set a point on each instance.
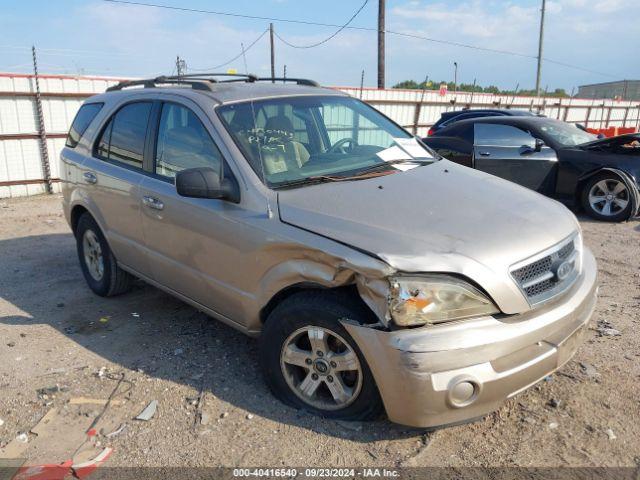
(549, 273)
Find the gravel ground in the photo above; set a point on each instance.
(213, 407)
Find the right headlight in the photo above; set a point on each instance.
(430, 299)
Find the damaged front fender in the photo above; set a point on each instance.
(295, 264)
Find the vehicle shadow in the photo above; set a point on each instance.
(149, 330)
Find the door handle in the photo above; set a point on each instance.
(90, 177)
(485, 154)
(152, 202)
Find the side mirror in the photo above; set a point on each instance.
(205, 183)
(539, 145)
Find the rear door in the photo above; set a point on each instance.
(509, 152)
(111, 178)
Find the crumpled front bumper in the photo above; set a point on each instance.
(454, 372)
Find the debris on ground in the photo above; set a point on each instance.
(93, 401)
(204, 419)
(553, 425)
(178, 351)
(224, 415)
(609, 332)
(116, 432)
(46, 391)
(148, 413)
(554, 403)
(1, 422)
(22, 438)
(589, 370)
(249, 416)
(610, 434)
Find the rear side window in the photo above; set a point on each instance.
(491, 134)
(124, 137)
(84, 117)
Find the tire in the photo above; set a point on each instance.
(319, 311)
(104, 276)
(606, 197)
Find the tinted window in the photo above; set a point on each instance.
(83, 118)
(501, 135)
(123, 139)
(102, 149)
(183, 142)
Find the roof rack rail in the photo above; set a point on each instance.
(241, 77)
(153, 82)
(299, 81)
(204, 81)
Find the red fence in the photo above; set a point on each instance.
(612, 131)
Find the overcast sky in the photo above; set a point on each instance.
(96, 37)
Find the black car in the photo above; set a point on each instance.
(447, 118)
(555, 158)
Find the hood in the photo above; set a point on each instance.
(442, 217)
(601, 141)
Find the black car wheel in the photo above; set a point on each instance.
(311, 362)
(606, 197)
(99, 267)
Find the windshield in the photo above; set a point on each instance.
(566, 134)
(293, 139)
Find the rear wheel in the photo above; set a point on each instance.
(99, 266)
(311, 362)
(606, 197)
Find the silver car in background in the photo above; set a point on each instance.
(377, 275)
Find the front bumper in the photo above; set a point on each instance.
(454, 372)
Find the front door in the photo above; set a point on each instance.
(195, 245)
(509, 152)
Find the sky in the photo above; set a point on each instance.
(101, 38)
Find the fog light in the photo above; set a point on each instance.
(463, 392)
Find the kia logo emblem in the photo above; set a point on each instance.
(564, 270)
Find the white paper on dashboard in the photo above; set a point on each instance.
(394, 153)
(412, 147)
(405, 166)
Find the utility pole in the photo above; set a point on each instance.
(381, 30)
(361, 83)
(44, 150)
(181, 67)
(273, 54)
(284, 74)
(455, 78)
(244, 59)
(540, 42)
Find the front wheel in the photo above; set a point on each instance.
(606, 197)
(311, 362)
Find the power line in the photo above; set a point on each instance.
(368, 29)
(330, 36)
(243, 52)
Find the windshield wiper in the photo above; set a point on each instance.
(378, 166)
(368, 172)
(307, 181)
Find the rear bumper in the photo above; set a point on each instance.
(455, 372)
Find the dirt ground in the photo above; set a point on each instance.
(213, 407)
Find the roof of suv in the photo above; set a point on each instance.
(223, 92)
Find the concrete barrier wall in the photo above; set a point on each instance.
(21, 162)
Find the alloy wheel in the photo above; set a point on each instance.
(93, 255)
(321, 368)
(608, 197)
